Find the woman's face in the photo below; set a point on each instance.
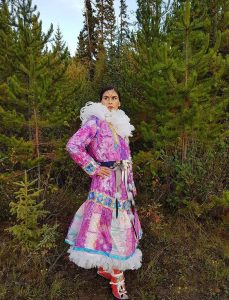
(111, 100)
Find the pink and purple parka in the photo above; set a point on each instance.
(97, 237)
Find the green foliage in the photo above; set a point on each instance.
(29, 212)
(190, 186)
(180, 73)
(223, 200)
(35, 91)
(105, 24)
(216, 207)
(199, 180)
(123, 27)
(173, 77)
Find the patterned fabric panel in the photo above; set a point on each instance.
(107, 201)
(90, 168)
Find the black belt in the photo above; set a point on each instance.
(107, 164)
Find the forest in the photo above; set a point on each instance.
(172, 70)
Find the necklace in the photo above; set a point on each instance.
(115, 135)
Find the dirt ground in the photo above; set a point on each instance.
(183, 259)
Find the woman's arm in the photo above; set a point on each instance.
(76, 146)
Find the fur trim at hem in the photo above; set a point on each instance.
(92, 260)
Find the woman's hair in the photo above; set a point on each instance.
(108, 88)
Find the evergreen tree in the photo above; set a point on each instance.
(179, 81)
(16, 102)
(123, 26)
(33, 93)
(105, 26)
(28, 232)
(87, 38)
(59, 59)
(31, 69)
(100, 78)
(100, 20)
(199, 84)
(59, 45)
(142, 71)
(110, 21)
(81, 51)
(149, 16)
(7, 39)
(10, 121)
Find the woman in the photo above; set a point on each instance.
(105, 230)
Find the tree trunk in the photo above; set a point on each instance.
(37, 143)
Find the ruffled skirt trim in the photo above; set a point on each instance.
(87, 259)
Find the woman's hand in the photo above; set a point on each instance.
(103, 171)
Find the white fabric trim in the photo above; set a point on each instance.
(91, 260)
(117, 118)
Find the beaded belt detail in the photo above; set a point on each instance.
(106, 201)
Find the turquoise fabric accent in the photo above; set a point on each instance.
(69, 242)
(107, 201)
(102, 253)
(90, 168)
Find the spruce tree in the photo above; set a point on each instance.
(105, 26)
(86, 48)
(16, 96)
(144, 73)
(123, 26)
(28, 232)
(7, 40)
(59, 46)
(100, 17)
(58, 60)
(181, 79)
(31, 69)
(34, 93)
(110, 23)
(81, 50)
(194, 73)
(149, 16)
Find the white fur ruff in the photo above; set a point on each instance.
(117, 118)
(92, 260)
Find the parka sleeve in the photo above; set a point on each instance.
(76, 146)
(131, 179)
